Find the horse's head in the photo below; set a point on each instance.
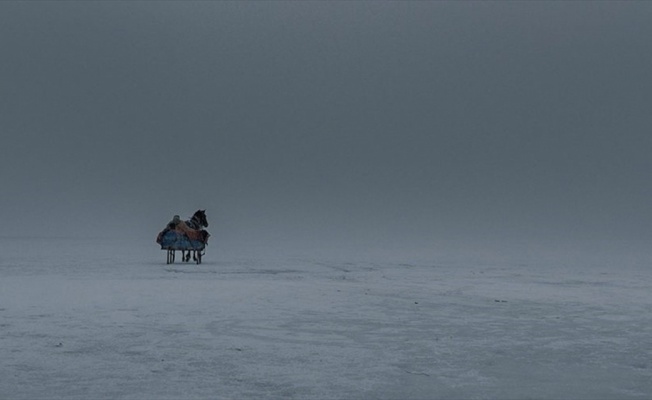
(200, 216)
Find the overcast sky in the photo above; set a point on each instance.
(377, 122)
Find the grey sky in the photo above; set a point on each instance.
(378, 122)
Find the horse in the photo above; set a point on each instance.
(197, 223)
(198, 220)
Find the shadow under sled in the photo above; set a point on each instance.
(174, 241)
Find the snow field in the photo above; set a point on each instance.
(93, 319)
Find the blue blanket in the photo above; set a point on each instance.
(173, 240)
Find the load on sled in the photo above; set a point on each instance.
(189, 237)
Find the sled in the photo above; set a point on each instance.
(174, 241)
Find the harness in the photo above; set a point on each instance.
(193, 224)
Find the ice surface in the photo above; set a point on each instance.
(83, 319)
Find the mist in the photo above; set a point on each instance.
(420, 199)
(376, 125)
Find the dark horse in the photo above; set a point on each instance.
(197, 222)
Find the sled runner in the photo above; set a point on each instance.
(185, 236)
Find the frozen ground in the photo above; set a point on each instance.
(85, 319)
